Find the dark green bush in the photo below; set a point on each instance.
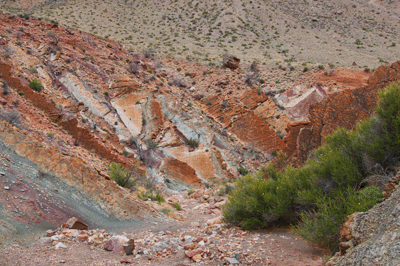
(326, 189)
(36, 85)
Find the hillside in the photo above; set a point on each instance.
(270, 32)
(72, 102)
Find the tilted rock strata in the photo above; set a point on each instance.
(339, 109)
(115, 199)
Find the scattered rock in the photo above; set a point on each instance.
(50, 233)
(70, 233)
(74, 223)
(214, 221)
(83, 237)
(190, 246)
(220, 204)
(198, 194)
(194, 224)
(129, 247)
(197, 257)
(60, 245)
(230, 61)
(231, 260)
(113, 245)
(192, 253)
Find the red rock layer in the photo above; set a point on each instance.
(339, 109)
(182, 171)
(222, 109)
(254, 131)
(83, 136)
(252, 98)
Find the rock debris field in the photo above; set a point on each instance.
(200, 239)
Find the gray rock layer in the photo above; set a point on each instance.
(375, 236)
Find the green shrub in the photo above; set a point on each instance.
(320, 194)
(123, 176)
(192, 143)
(36, 85)
(242, 171)
(258, 202)
(32, 70)
(177, 206)
(4, 86)
(152, 195)
(322, 227)
(151, 144)
(159, 198)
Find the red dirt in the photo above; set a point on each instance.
(344, 77)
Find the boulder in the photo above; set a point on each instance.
(129, 247)
(60, 245)
(192, 253)
(230, 61)
(197, 257)
(113, 245)
(75, 223)
(214, 221)
(220, 204)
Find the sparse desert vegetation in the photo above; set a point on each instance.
(265, 31)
